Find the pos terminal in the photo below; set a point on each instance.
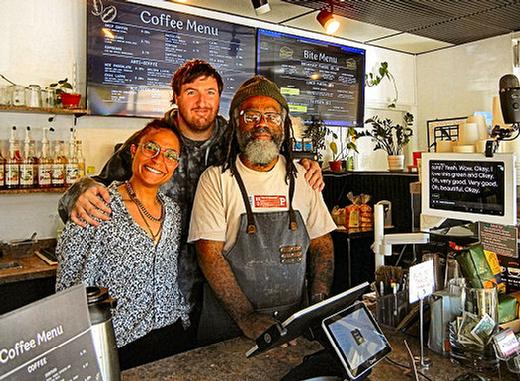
(353, 341)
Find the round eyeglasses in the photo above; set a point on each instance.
(254, 117)
(151, 149)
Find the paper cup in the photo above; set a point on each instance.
(480, 121)
(464, 148)
(444, 146)
(468, 134)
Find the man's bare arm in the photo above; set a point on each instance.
(321, 267)
(225, 286)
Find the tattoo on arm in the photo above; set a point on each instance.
(321, 265)
(222, 280)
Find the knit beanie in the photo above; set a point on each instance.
(258, 85)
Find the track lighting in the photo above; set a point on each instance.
(261, 6)
(327, 20)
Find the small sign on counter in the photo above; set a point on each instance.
(421, 281)
(49, 340)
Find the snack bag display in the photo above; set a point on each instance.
(366, 215)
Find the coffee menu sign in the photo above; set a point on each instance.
(133, 51)
(49, 340)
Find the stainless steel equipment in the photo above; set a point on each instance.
(99, 308)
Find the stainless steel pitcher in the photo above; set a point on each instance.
(99, 308)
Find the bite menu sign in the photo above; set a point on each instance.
(133, 50)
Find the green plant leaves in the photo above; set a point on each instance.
(387, 135)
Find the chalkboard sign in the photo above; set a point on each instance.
(133, 50)
(470, 187)
(322, 81)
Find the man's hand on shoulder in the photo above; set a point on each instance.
(91, 204)
(313, 175)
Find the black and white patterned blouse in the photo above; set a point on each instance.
(119, 255)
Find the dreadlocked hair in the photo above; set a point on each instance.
(233, 148)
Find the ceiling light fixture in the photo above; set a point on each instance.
(327, 20)
(261, 6)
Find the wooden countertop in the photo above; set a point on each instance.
(29, 265)
(227, 361)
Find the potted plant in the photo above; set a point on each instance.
(391, 138)
(335, 163)
(65, 94)
(317, 132)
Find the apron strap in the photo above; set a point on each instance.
(292, 215)
(251, 226)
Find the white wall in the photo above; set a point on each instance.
(42, 41)
(458, 81)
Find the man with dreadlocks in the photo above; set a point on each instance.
(255, 217)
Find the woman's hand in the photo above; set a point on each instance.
(313, 175)
(92, 203)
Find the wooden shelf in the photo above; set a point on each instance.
(45, 110)
(33, 190)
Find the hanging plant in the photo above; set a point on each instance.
(374, 79)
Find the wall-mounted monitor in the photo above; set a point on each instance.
(469, 187)
(133, 50)
(322, 81)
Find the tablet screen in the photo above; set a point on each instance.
(357, 339)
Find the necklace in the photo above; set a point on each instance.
(142, 209)
(155, 236)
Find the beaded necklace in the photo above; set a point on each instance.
(145, 214)
(142, 209)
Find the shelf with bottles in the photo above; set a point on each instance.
(22, 170)
(33, 190)
(45, 110)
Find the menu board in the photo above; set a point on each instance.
(322, 81)
(49, 340)
(133, 51)
(468, 186)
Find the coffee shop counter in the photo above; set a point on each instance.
(227, 361)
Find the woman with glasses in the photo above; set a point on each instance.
(135, 253)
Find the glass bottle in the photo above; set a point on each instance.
(2, 170)
(45, 165)
(58, 165)
(72, 167)
(27, 173)
(12, 165)
(81, 159)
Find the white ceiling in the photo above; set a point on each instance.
(296, 16)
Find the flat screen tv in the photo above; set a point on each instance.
(322, 81)
(133, 50)
(469, 187)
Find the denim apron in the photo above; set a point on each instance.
(268, 261)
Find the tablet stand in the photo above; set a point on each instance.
(321, 366)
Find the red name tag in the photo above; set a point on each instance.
(270, 201)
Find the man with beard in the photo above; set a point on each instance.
(254, 218)
(197, 87)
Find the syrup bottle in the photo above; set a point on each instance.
(81, 159)
(27, 164)
(12, 165)
(58, 165)
(45, 165)
(72, 165)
